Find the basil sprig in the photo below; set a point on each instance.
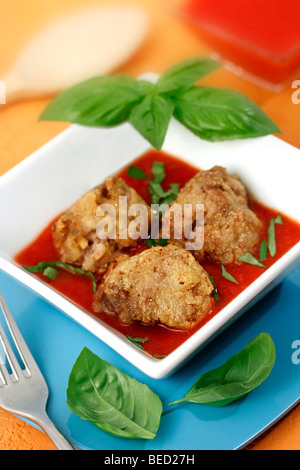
(212, 114)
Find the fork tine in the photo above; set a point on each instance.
(12, 360)
(3, 375)
(21, 346)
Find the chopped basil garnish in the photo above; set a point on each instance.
(215, 292)
(49, 267)
(263, 251)
(137, 173)
(228, 276)
(158, 171)
(248, 258)
(51, 273)
(138, 342)
(159, 196)
(162, 356)
(161, 242)
(278, 220)
(272, 238)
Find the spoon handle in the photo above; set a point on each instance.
(13, 89)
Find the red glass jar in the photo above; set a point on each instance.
(261, 37)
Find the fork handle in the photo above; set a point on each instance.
(60, 442)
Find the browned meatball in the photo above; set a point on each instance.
(75, 233)
(163, 285)
(231, 228)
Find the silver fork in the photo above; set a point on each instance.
(24, 392)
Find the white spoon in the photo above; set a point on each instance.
(89, 42)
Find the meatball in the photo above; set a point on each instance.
(231, 228)
(163, 285)
(75, 234)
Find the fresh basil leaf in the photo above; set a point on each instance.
(136, 173)
(186, 74)
(220, 114)
(151, 118)
(162, 356)
(113, 401)
(158, 171)
(263, 251)
(278, 220)
(137, 341)
(100, 101)
(51, 273)
(241, 374)
(272, 238)
(41, 267)
(228, 276)
(248, 258)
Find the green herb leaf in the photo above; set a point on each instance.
(278, 220)
(241, 374)
(158, 171)
(119, 405)
(228, 276)
(171, 195)
(137, 173)
(248, 258)
(51, 273)
(161, 242)
(215, 292)
(159, 196)
(162, 356)
(137, 341)
(41, 267)
(100, 101)
(220, 114)
(151, 118)
(272, 238)
(186, 74)
(263, 251)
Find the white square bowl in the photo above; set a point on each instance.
(48, 182)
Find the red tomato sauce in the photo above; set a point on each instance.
(162, 340)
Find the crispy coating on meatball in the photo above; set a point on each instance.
(231, 228)
(75, 233)
(163, 285)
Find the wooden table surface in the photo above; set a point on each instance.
(169, 41)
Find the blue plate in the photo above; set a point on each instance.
(56, 341)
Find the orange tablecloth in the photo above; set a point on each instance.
(169, 41)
